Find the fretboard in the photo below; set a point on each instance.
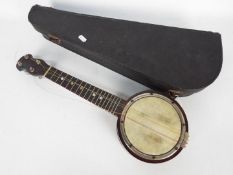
(99, 97)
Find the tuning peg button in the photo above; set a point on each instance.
(19, 64)
(26, 56)
(31, 69)
(38, 61)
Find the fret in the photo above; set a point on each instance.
(73, 84)
(82, 88)
(100, 98)
(120, 107)
(87, 91)
(64, 81)
(111, 103)
(105, 100)
(58, 78)
(49, 73)
(54, 72)
(79, 85)
(92, 93)
(96, 96)
(68, 78)
(70, 83)
(116, 105)
(96, 99)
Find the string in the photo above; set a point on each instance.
(54, 74)
(108, 99)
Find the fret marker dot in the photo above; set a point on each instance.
(81, 87)
(94, 94)
(100, 97)
(72, 83)
(62, 78)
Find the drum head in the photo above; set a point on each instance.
(153, 127)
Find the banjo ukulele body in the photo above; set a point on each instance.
(151, 125)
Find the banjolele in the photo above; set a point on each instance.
(151, 125)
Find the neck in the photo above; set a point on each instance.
(99, 97)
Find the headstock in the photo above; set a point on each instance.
(31, 65)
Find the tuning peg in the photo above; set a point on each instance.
(31, 69)
(38, 62)
(19, 63)
(27, 56)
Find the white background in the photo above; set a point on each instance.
(45, 129)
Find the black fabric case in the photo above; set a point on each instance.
(181, 61)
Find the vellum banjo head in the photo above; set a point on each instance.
(153, 127)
